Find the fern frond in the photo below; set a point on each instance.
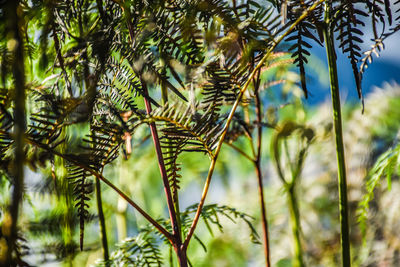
(219, 89)
(300, 49)
(211, 216)
(139, 251)
(377, 47)
(171, 149)
(197, 132)
(103, 144)
(348, 23)
(83, 187)
(125, 77)
(387, 164)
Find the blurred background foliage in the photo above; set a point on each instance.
(50, 226)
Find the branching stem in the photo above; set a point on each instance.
(230, 117)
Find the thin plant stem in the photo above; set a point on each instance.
(161, 165)
(295, 223)
(177, 242)
(103, 231)
(10, 219)
(257, 163)
(290, 187)
(230, 117)
(240, 151)
(337, 118)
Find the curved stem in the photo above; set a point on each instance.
(337, 118)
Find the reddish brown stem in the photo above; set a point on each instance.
(260, 179)
(161, 165)
(170, 203)
(177, 241)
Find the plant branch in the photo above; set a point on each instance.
(161, 165)
(240, 151)
(230, 117)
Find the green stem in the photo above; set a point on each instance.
(295, 223)
(337, 118)
(103, 233)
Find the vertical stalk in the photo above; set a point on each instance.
(337, 118)
(295, 223)
(16, 46)
(180, 252)
(257, 163)
(103, 233)
(182, 257)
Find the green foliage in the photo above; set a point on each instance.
(141, 250)
(386, 165)
(211, 214)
